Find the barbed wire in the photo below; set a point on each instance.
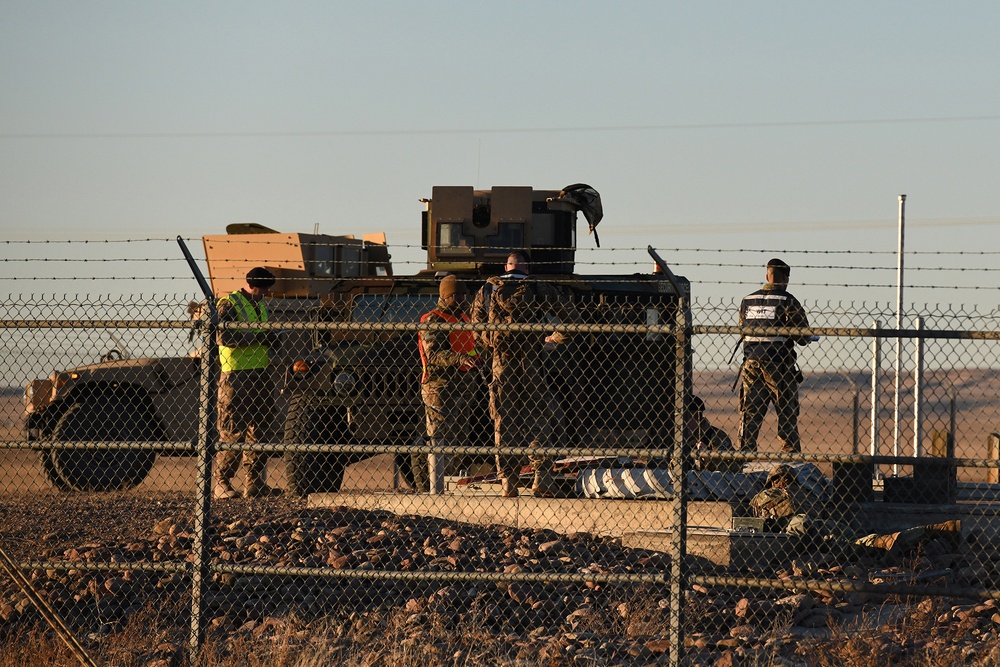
(547, 278)
(296, 267)
(640, 263)
(410, 262)
(411, 246)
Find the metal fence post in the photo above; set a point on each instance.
(898, 361)
(876, 390)
(679, 465)
(205, 448)
(918, 377)
(855, 417)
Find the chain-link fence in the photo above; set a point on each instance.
(584, 473)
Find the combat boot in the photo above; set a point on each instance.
(256, 487)
(949, 531)
(508, 487)
(224, 490)
(260, 490)
(544, 486)
(227, 462)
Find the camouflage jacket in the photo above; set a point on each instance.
(776, 503)
(521, 299)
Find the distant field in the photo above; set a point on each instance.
(826, 420)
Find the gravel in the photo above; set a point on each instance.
(585, 622)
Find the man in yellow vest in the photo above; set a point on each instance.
(246, 387)
(448, 383)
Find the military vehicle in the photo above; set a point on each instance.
(360, 385)
(155, 400)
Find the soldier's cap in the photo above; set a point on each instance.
(780, 471)
(450, 286)
(258, 276)
(775, 263)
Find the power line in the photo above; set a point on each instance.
(495, 130)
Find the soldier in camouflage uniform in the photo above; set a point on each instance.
(448, 383)
(521, 402)
(791, 508)
(769, 374)
(701, 436)
(246, 388)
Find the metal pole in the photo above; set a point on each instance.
(855, 417)
(918, 377)
(876, 389)
(435, 471)
(46, 611)
(679, 464)
(952, 406)
(899, 341)
(205, 446)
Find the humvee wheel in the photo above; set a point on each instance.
(49, 466)
(311, 423)
(99, 419)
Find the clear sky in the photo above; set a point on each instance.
(766, 126)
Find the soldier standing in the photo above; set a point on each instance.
(521, 402)
(246, 388)
(448, 383)
(769, 372)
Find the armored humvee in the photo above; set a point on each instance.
(360, 385)
(155, 400)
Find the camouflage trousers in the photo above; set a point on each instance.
(447, 410)
(764, 382)
(246, 415)
(950, 531)
(524, 413)
(841, 539)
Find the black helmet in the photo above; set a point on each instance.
(260, 277)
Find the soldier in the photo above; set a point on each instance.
(701, 436)
(448, 383)
(521, 402)
(783, 499)
(769, 372)
(246, 388)
(791, 508)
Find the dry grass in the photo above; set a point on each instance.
(398, 637)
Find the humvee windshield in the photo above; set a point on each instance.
(391, 307)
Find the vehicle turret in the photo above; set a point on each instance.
(474, 230)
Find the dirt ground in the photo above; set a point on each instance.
(828, 422)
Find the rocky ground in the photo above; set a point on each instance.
(408, 620)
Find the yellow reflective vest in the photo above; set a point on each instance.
(249, 356)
